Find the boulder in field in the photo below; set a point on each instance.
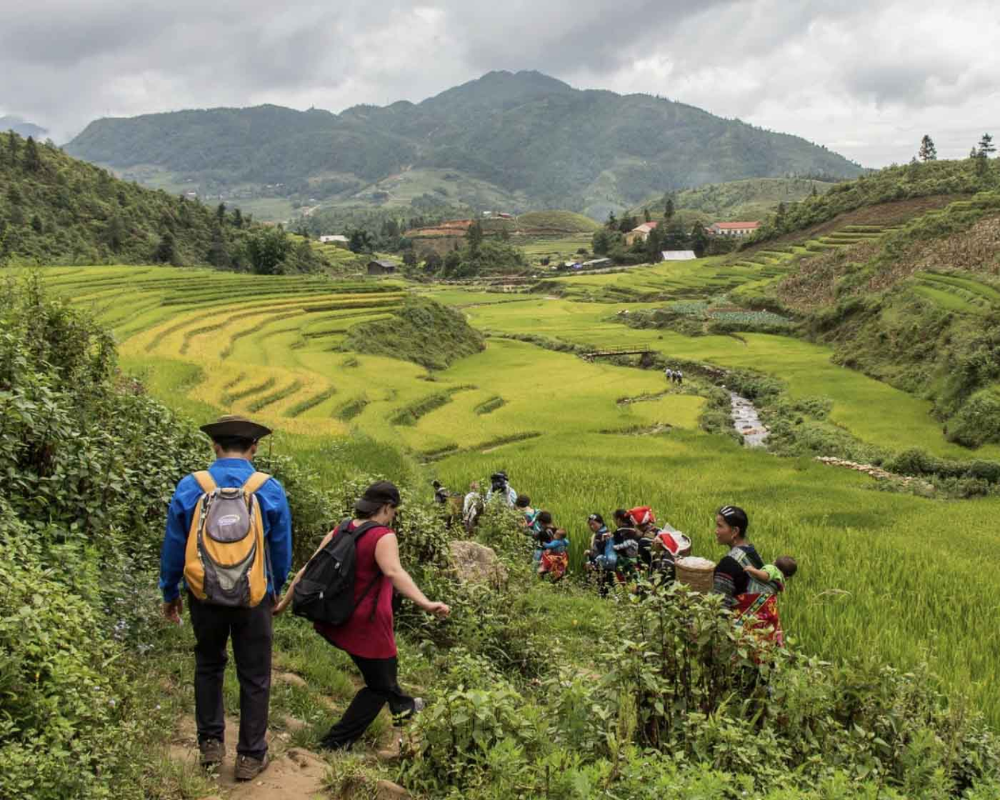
(477, 563)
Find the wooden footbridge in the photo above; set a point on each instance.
(624, 350)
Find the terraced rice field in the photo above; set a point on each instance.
(957, 293)
(582, 437)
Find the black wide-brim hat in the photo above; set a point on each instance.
(232, 425)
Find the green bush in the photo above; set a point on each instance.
(978, 421)
(423, 332)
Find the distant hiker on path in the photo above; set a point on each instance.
(367, 636)
(753, 603)
(670, 375)
(440, 493)
(499, 486)
(679, 377)
(472, 507)
(229, 534)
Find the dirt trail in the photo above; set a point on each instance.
(293, 774)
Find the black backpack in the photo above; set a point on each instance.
(325, 592)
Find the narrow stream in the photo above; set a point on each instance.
(747, 421)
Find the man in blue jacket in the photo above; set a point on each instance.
(234, 440)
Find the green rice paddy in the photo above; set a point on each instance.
(887, 576)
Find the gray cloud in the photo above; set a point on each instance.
(867, 79)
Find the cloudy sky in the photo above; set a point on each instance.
(867, 79)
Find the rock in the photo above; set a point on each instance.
(292, 724)
(387, 790)
(476, 563)
(289, 678)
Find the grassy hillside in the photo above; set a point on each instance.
(930, 179)
(751, 199)
(920, 308)
(523, 140)
(559, 223)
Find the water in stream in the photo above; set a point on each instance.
(747, 421)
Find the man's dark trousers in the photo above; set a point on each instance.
(251, 630)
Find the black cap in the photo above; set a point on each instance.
(376, 496)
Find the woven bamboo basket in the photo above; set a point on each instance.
(697, 573)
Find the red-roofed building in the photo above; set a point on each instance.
(733, 228)
(641, 232)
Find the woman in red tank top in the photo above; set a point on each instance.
(367, 637)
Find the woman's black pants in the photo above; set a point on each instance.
(381, 687)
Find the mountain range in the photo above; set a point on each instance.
(516, 140)
(22, 127)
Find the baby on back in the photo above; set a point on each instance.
(774, 575)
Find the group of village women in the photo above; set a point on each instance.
(636, 546)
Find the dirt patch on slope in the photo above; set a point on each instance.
(293, 774)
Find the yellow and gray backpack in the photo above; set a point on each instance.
(225, 558)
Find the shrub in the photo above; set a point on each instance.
(978, 421)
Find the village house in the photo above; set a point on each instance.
(381, 267)
(678, 255)
(733, 228)
(335, 238)
(640, 233)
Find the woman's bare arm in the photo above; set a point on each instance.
(387, 558)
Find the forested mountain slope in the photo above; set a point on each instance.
(55, 209)
(529, 135)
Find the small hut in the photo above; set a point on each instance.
(381, 267)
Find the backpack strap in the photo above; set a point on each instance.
(255, 482)
(205, 481)
(357, 533)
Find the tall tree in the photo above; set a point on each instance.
(474, 237)
(986, 146)
(983, 150)
(12, 148)
(927, 152)
(6, 242)
(114, 234)
(655, 245)
(237, 218)
(220, 213)
(218, 252)
(166, 250)
(668, 209)
(612, 223)
(267, 250)
(645, 213)
(699, 239)
(32, 161)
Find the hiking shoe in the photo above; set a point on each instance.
(248, 768)
(212, 752)
(402, 716)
